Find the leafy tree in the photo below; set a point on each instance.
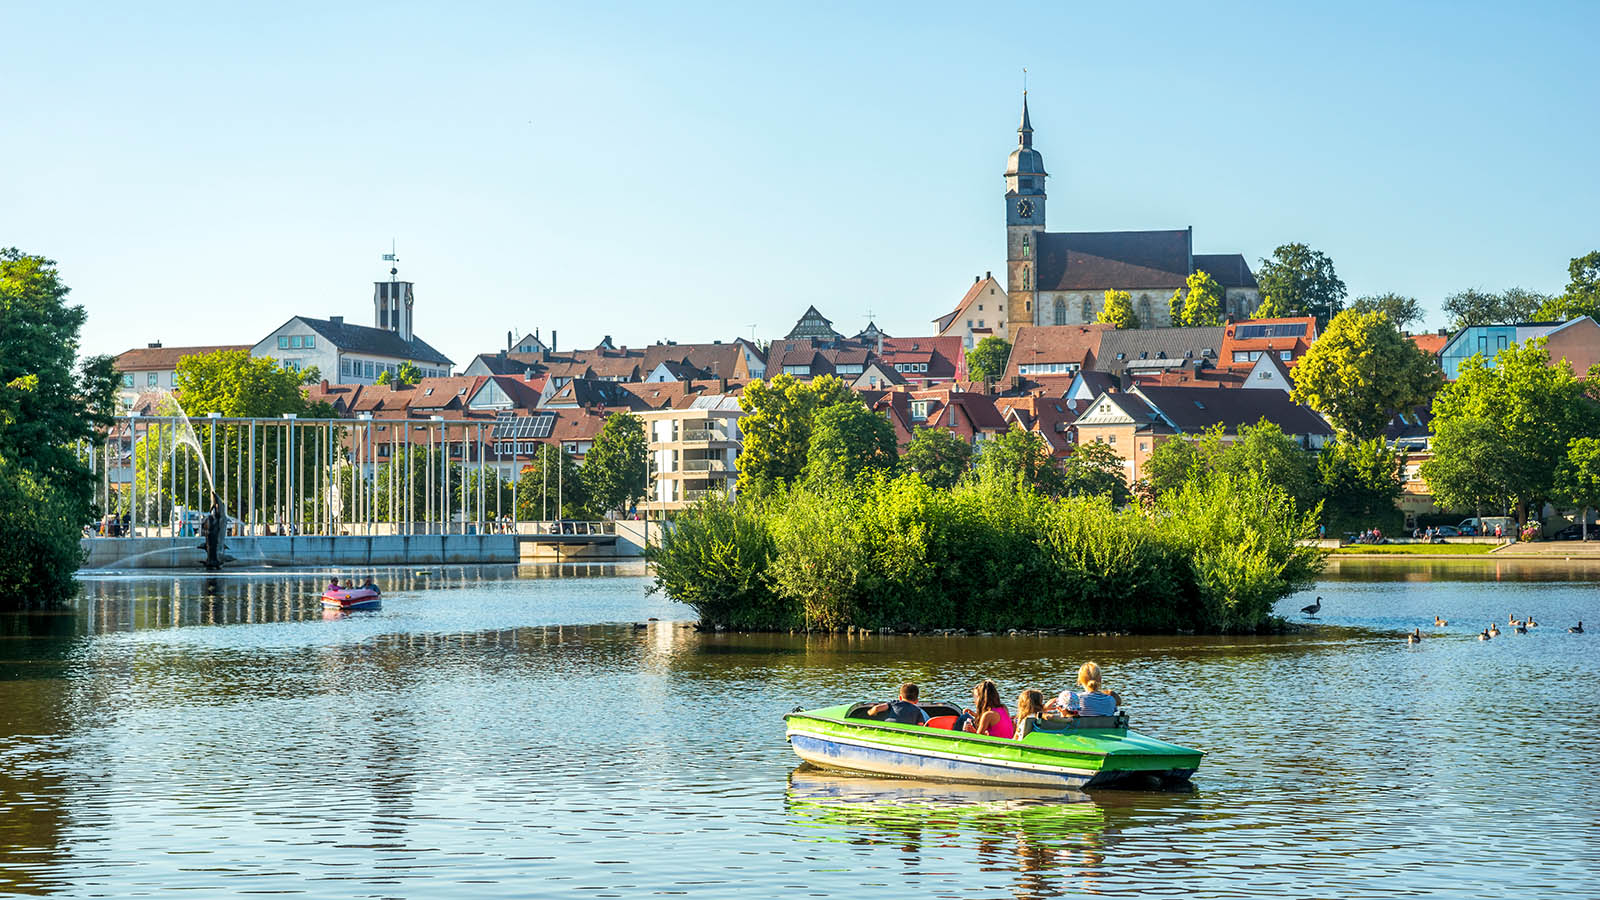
(1470, 466)
(552, 486)
(1021, 457)
(1303, 282)
(1578, 478)
(46, 405)
(1172, 463)
(616, 470)
(1360, 482)
(406, 373)
(1402, 311)
(987, 361)
(938, 456)
(1533, 408)
(777, 428)
(1582, 296)
(1361, 371)
(47, 408)
(1198, 303)
(1095, 470)
(846, 440)
(1118, 310)
(1265, 450)
(236, 384)
(1474, 307)
(1272, 307)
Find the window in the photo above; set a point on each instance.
(294, 342)
(1500, 342)
(969, 323)
(1088, 310)
(1026, 250)
(310, 342)
(1483, 342)
(797, 370)
(1146, 320)
(1061, 311)
(849, 369)
(1241, 356)
(283, 342)
(980, 307)
(368, 367)
(153, 379)
(1266, 375)
(980, 323)
(919, 410)
(127, 381)
(1027, 279)
(1286, 355)
(1144, 448)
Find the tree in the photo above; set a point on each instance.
(616, 470)
(1265, 450)
(1402, 311)
(938, 456)
(987, 361)
(1302, 281)
(1578, 478)
(1582, 296)
(1172, 463)
(1361, 371)
(846, 440)
(1360, 482)
(1469, 466)
(48, 409)
(777, 428)
(1272, 308)
(552, 487)
(1198, 303)
(1095, 470)
(1532, 411)
(1118, 311)
(1022, 457)
(406, 373)
(236, 384)
(1474, 307)
(46, 405)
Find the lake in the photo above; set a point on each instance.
(496, 732)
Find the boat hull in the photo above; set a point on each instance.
(1073, 760)
(359, 599)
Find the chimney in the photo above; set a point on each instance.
(509, 339)
(337, 320)
(722, 385)
(977, 278)
(324, 385)
(988, 275)
(552, 340)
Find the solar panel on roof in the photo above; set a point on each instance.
(1273, 330)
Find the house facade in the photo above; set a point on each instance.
(155, 368)
(694, 451)
(346, 353)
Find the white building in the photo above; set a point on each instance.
(357, 354)
(693, 452)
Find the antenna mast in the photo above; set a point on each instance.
(391, 257)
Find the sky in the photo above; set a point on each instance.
(201, 172)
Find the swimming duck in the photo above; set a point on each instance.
(1511, 619)
(1439, 623)
(1521, 628)
(1412, 639)
(1531, 623)
(1313, 609)
(1483, 635)
(1494, 631)
(1576, 629)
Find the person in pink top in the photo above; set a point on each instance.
(991, 717)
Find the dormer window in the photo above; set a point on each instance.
(919, 410)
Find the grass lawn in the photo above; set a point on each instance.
(1402, 549)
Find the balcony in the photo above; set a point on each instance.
(702, 435)
(692, 496)
(704, 465)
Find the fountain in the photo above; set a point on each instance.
(215, 524)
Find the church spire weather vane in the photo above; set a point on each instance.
(391, 257)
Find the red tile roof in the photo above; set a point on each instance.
(142, 359)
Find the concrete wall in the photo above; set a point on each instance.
(356, 550)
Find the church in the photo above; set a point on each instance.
(1060, 278)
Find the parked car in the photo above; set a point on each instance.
(1486, 525)
(1574, 532)
(1445, 531)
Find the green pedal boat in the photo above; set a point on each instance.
(1075, 753)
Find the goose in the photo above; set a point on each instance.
(1313, 609)
(1439, 623)
(1511, 619)
(1417, 633)
(1531, 623)
(1521, 628)
(1494, 631)
(1412, 639)
(1483, 635)
(1576, 629)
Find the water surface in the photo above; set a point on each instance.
(533, 734)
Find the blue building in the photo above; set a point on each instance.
(1489, 340)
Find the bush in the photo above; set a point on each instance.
(991, 553)
(41, 549)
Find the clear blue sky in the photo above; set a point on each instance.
(204, 171)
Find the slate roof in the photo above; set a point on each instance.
(1095, 260)
(1152, 344)
(377, 341)
(1228, 269)
(1194, 409)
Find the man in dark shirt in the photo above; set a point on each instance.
(904, 710)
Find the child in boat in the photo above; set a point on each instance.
(370, 585)
(1093, 700)
(904, 710)
(1030, 706)
(991, 717)
(333, 585)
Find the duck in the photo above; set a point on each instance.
(1521, 628)
(1576, 629)
(1313, 609)
(1483, 635)
(1439, 623)
(1412, 639)
(1511, 619)
(1494, 631)
(1531, 623)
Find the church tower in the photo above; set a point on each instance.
(1024, 224)
(392, 303)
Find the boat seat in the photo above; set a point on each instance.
(948, 723)
(1078, 723)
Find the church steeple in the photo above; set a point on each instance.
(1025, 132)
(1025, 199)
